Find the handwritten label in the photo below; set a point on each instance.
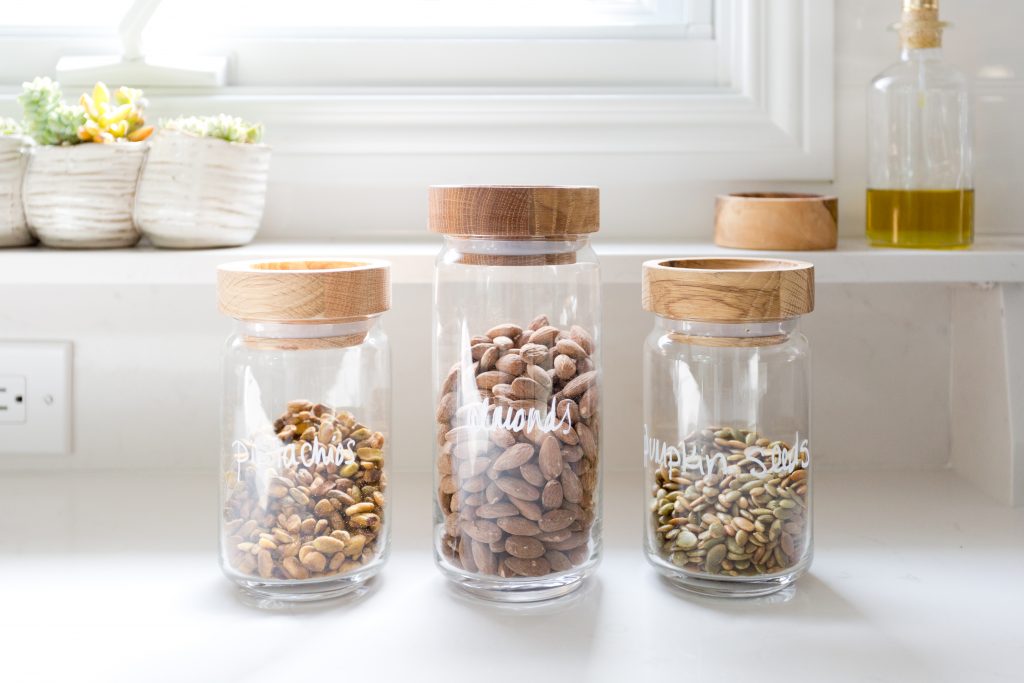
(767, 461)
(518, 420)
(280, 457)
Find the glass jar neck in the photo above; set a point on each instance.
(921, 54)
(277, 330)
(563, 244)
(751, 330)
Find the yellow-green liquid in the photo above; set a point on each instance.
(921, 219)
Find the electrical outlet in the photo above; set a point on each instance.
(12, 399)
(35, 398)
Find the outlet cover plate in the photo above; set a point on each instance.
(43, 369)
(12, 399)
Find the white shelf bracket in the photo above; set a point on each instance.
(987, 411)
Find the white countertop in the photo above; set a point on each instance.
(113, 577)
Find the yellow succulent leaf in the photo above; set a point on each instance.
(100, 93)
(126, 95)
(89, 106)
(120, 114)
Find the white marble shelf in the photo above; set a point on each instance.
(112, 578)
(992, 259)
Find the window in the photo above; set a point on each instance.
(589, 43)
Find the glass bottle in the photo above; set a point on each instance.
(517, 314)
(726, 444)
(306, 427)
(920, 176)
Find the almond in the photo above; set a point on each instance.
(513, 457)
(524, 547)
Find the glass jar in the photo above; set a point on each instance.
(726, 448)
(307, 412)
(920, 162)
(517, 310)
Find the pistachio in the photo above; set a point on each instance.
(288, 519)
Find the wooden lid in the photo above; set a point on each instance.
(777, 221)
(513, 212)
(728, 290)
(304, 290)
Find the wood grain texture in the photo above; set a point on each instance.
(83, 196)
(470, 259)
(727, 342)
(514, 212)
(783, 221)
(304, 290)
(198, 192)
(304, 344)
(728, 290)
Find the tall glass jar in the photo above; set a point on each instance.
(726, 446)
(517, 369)
(920, 163)
(306, 423)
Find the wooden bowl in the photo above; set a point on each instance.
(776, 220)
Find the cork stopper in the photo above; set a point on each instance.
(304, 290)
(919, 26)
(514, 212)
(728, 290)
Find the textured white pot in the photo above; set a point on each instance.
(82, 196)
(200, 192)
(14, 152)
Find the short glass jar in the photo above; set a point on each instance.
(517, 314)
(307, 410)
(726, 423)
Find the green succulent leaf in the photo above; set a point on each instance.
(9, 127)
(221, 127)
(47, 118)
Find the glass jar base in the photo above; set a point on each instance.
(731, 586)
(521, 589)
(304, 591)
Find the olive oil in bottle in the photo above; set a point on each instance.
(920, 176)
(929, 219)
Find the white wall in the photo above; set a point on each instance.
(147, 376)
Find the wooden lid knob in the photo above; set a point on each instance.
(728, 290)
(304, 290)
(513, 212)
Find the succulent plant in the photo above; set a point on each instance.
(48, 119)
(9, 126)
(111, 118)
(221, 126)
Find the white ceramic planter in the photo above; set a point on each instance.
(14, 151)
(83, 196)
(200, 192)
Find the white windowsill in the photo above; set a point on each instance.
(992, 259)
(899, 576)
